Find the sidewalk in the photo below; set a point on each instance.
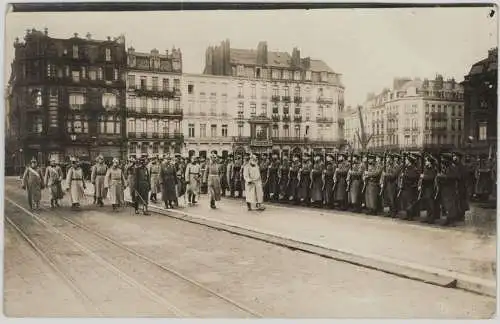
(443, 256)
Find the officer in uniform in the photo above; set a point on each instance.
(355, 183)
(263, 168)
(446, 190)
(142, 185)
(273, 177)
(408, 183)
(371, 178)
(462, 184)
(97, 177)
(235, 176)
(229, 167)
(211, 178)
(129, 175)
(154, 171)
(203, 166)
(293, 179)
(317, 184)
(283, 179)
(224, 184)
(426, 190)
(339, 189)
(303, 190)
(246, 160)
(389, 183)
(327, 189)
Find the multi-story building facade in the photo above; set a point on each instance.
(283, 102)
(70, 95)
(352, 128)
(480, 87)
(209, 123)
(154, 113)
(416, 114)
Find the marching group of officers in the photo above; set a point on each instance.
(407, 183)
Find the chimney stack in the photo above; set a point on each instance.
(89, 36)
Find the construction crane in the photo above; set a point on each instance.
(363, 138)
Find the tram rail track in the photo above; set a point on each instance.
(192, 289)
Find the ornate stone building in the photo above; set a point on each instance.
(282, 102)
(416, 114)
(154, 112)
(68, 96)
(481, 112)
(209, 123)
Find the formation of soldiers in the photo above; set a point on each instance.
(432, 188)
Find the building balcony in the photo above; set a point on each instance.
(260, 142)
(297, 118)
(241, 139)
(93, 107)
(143, 112)
(285, 98)
(286, 118)
(438, 115)
(260, 119)
(324, 100)
(155, 92)
(290, 140)
(406, 129)
(275, 98)
(297, 99)
(76, 107)
(324, 120)
(131, 135)
(275, 118)
(240, 117)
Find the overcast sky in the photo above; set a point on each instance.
(369, 47)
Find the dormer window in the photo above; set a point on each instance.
(38, 98)
(308, 75)
(108, 55)
(286, 75)
(257, 73)
(241, 70)
(75, 51)
(296, 76)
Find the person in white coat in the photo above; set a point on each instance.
(115, 183)
(75, 183)
(254, 193)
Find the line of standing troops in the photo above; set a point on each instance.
(407, 183)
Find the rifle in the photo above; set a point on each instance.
(364, 181)
(348, 187)
(420, 189)
(438, 184)
(383, 175)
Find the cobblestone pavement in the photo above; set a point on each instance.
(274, 281)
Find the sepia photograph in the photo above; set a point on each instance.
(250, 161)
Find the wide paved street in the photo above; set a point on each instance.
(96, 262)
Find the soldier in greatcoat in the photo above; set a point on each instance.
(389, 183)
(142, 185)
(484, 178)
(304, 177)
(264, 167)
(53, 180)
(129, 175)
(447, 190)
(224, 184)
(339, 189)
(203, 167)
(193, 179)
(293, 179)
(371, 177)
(97, 176)
(316, 181)
(283, 179)
(32, 182)
(115, 184)
(154, 171)
(246, 160)
(168, 181)
(273, 178)
(181, 181)
(75, 183)
(327, 189)
(211, 178)
(254, 193)
(462, 184)
(408, 184)
(355, 183)
(427, 190)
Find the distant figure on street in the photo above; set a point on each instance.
(168, 181)
(115, 184)
(193, 180)
(75, 183)
(53, 179)
(154, 171)
(97, 176)
(212, 179)
(142, 184)
(254, 193)
(33, 183)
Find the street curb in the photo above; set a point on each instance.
(430, 275)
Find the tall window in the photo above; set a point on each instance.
(108, 54)
(155, 105)
(240, 90)
(131, 81)
(99, 74)
(483, 131)
(240, 130)
(108, 100)
(177, 84)
(254, 91)
(213, 130)
(297, 91)
(92, 75)
(286, 109)
(144, 103)
(275, 91)
(166, 84)
(275, 108)
(76, 101)
(286, 130)
(275, 131)
(191, 130)
(155, 83)
(240, 110)
(131, 126)
(75, 75)
(109, 125)
(297, 131)
(177, 104)
(308, 75)
(144, 82)
(37, 124)
(203, 130)
(75, 51)
(263, 109)
(156, 126)
(155, 147)
(253, 109)
(224, 130)
(287, 91)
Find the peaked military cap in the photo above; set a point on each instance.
(213, 152)
(33, 160)
(329, 155)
